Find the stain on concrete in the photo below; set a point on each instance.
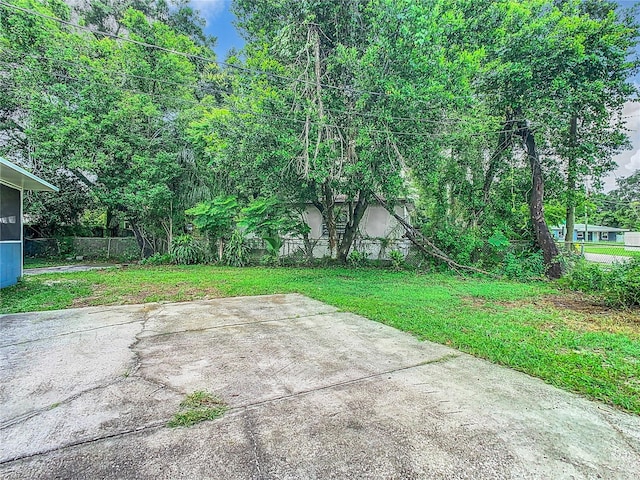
(313, 393)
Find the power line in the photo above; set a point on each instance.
(203, 58)
(266, 115)
(210, 89)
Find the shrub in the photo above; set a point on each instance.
(524, 266)
(273, 245)
(619, 286)
(622, 284)
(186, 250)
(236, 251)
(357, 259)
(585, 277)
(157, 259)
(462, 246)
(397, 259)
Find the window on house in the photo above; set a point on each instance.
(341, 224)
(605, 236)
(10, 221)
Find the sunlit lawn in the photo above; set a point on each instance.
(604, 249)
(530, 327)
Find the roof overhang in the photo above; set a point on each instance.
(17, 177)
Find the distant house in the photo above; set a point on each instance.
(376, 224)
(594, 233)
(13, 182)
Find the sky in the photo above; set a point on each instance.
(220, 20)
(629, 160)
(220, 24)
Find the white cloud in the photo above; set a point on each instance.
(634, 162)
(629, 160)
(209, 9)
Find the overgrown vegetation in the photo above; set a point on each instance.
(187, 250)
(618, 284)
(477, 113)
(557, 336)
(198, 407)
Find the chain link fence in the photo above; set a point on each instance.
(513, 259)
(397, 252)
(605, 252)
(120, 248)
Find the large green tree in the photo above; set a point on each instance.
(558, 72)
(110, 112)
(333, 116)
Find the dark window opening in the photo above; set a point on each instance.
(341, 224)
(10, 221)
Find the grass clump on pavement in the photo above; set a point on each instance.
(198, 407)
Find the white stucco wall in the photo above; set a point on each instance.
(376, 223)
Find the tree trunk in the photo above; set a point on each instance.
(220, 249)
(572, 175)
(308, 247)
(328, 215)
(504, 142)
(113, 228)
(146, 249)
(536, 209)
(170, 230)
(353, 222)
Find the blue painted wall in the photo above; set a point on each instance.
(10, 258)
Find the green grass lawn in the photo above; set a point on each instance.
(533, 328)
(610, 249)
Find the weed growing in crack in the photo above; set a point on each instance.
(198, 407)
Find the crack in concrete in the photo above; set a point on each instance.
(236, 409)
(149, 426)
(444, 358)
(33, 413)
(134, 365)
(240, 324)
(134, 371)
(249, 427)
(40, 339)
(625, 438)
(137, 360)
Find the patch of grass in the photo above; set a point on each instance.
(50, 292)
(607, 249)
(30, 262)
(198, 407)
(532, 327)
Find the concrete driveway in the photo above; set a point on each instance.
(313, 393)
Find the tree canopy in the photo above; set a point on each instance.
(480, 112)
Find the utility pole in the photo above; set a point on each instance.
(586, 218)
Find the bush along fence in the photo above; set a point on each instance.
(510, 259)
(513, 259)
(116, 248)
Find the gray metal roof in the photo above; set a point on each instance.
(18, 177)
(579, 227)
(598, 228)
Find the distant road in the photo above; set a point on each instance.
(603, 258)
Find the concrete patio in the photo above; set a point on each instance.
(312, 393)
